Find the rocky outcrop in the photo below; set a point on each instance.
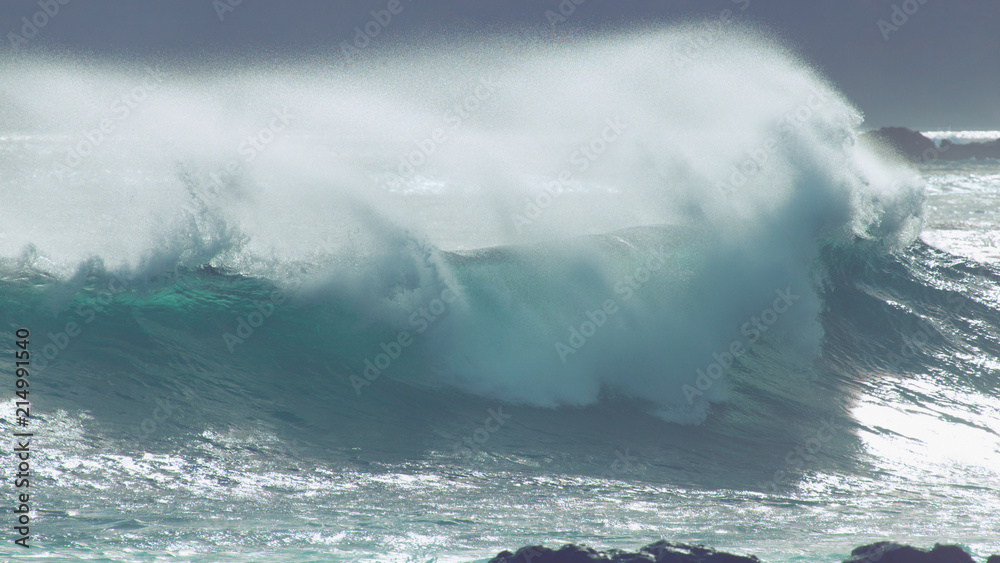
(665, 552)
(900, 142)
(980, 151)
(912, 146)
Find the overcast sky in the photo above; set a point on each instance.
(935, 68)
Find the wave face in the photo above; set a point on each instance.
(749, 156)
(656, 239)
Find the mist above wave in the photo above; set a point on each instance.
(358, 179)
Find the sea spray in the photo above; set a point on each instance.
(667, 134)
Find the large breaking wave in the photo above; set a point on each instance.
(575, 224)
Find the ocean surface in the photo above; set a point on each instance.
(434, 308)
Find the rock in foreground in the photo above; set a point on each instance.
(888, 552)
(665, 552)
(659, 552)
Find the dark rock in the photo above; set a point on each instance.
(980, 151)
(537, 554)
(889, 552)
(949, 554)
(666, 552)
(659, 552)
(901, 142)
(993, 559)
(911, 145)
